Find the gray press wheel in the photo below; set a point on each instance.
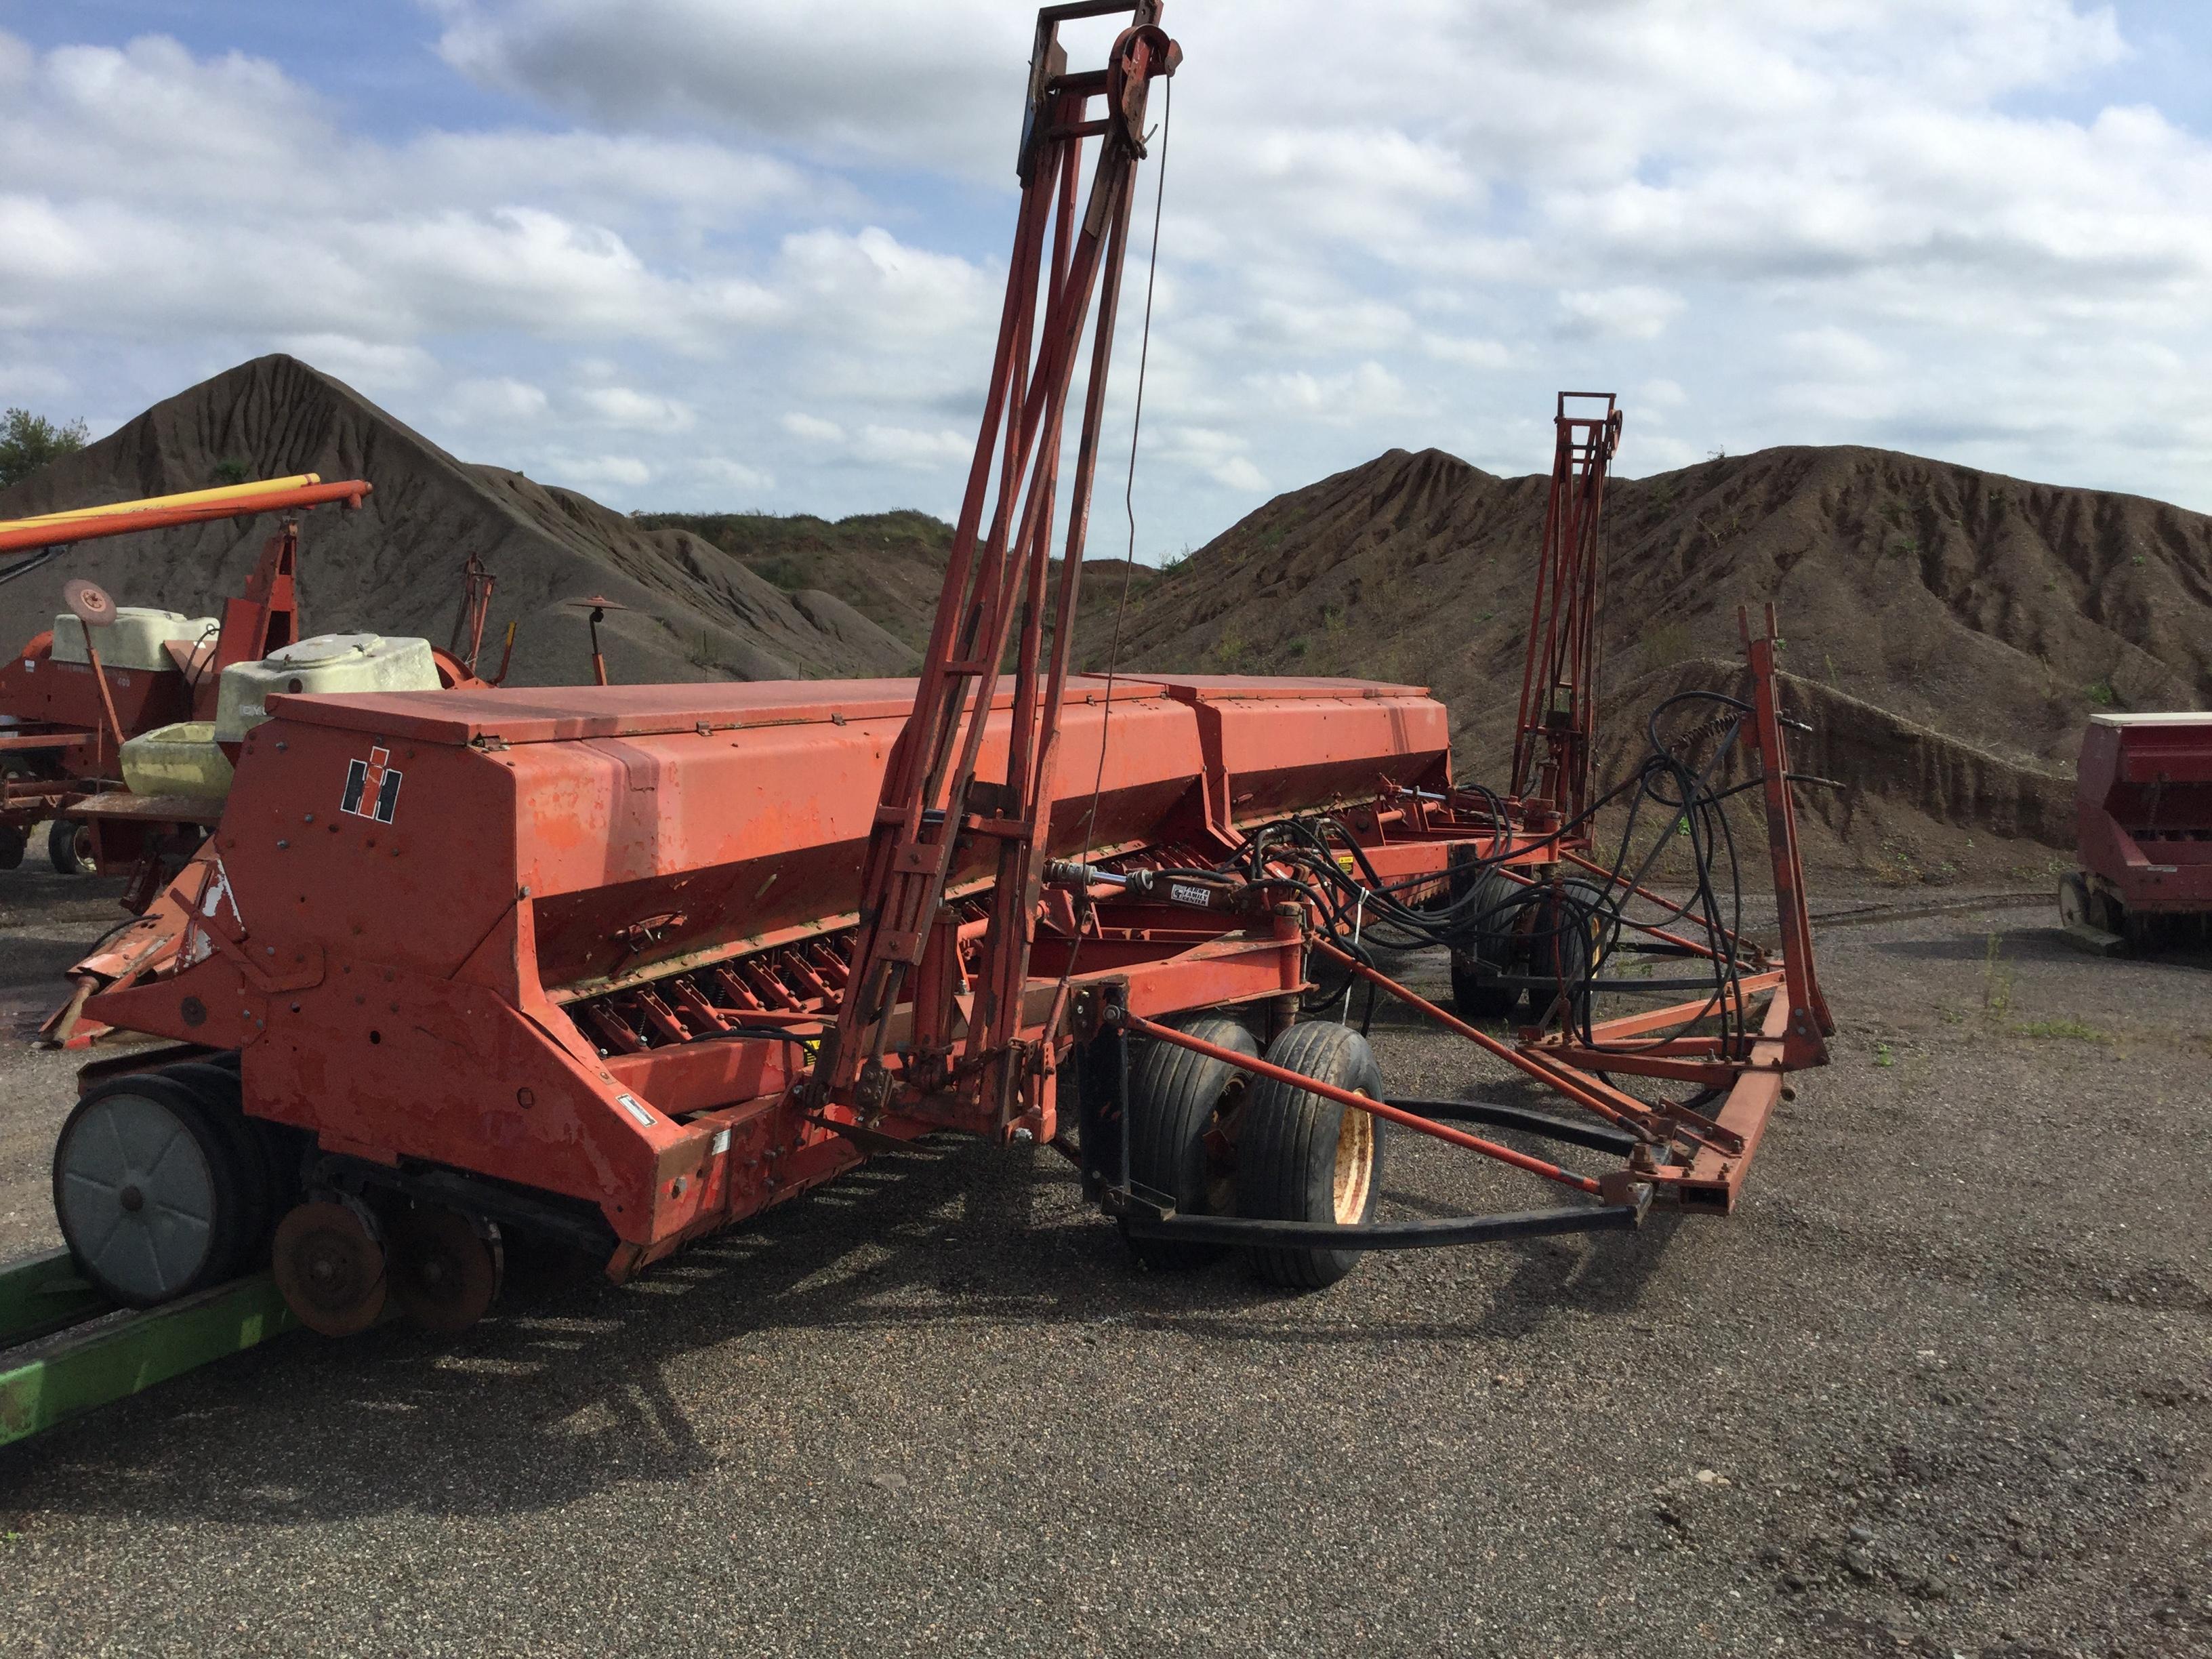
(264, 1154)
(1473, 997)
(1182, 1107)
(1301, 1156)
(146, 1190)
(68, 847)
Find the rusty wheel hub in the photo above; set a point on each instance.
(330, 1265)
(446, 1268)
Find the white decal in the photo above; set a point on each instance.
(629, 1103)
(213, 897)
(1185, 895)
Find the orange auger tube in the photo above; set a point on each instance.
(160, 511)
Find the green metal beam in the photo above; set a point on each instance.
(115, 1358)
(43, 1293)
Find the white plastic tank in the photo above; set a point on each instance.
(328, 663)
(177, 760)
(134, 639)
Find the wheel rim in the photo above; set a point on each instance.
(1353, 1177)
(2073, 903)
(136, 1196)
(81, 844)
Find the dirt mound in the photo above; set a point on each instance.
(394, 567)
(1952, 627)
(887, 566)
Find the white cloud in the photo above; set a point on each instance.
(640, 412)
(871, 287)
(925, 452)
(1630, 311)
(498, 401)
(1220, 456)
(598, 471)
(370, 365)
(812, 429)
(723, 473)
(1364, 392)
(1467, 354)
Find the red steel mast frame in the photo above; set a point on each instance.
(1552, 756)
(932, 797)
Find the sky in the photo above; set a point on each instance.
(702, 255)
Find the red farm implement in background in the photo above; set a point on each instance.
(2142, 815)
(70, 702)
(65, 714)
(626, 965)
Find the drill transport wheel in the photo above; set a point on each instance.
(1182, 1107)
(1302, 1156)
(329, 1263)
(445, 1269)
(147, 1188)
(1497, 911)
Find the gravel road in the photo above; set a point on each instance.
(1941, 1386)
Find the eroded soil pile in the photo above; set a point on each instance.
(1949, 630)
(695, 612)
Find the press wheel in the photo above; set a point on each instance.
(445, 1268)
(329, 1263)
(147, 1188)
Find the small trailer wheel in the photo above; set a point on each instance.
(2074, 906)
(13, 840)
(70, 847)
(1302, 1156)
(146, 1191)
(1184, 1108)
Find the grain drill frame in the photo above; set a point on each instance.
(712, 946)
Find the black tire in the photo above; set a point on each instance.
(13, 840)
(147, 1188)
(1178, 1098)
(1474, 996)
(265, 1192)
(1293, 1142)
(1561, 951)
(69, 848)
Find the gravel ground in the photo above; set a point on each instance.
(1943, 1385)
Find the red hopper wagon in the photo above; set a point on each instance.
(2142, 818)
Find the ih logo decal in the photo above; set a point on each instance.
(372, 787)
